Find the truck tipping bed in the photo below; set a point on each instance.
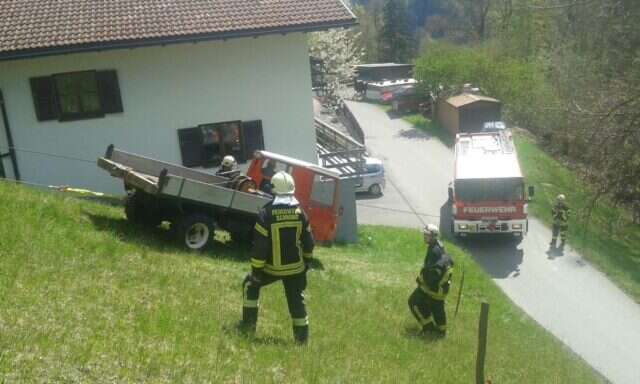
(168, 180)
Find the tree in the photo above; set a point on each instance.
(337, 50)
(394, 38)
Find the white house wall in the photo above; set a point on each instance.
(164, 89)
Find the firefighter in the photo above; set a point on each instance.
(227, 167)
(268, 171)
(283, 246)
(560, 214)
(427, 300)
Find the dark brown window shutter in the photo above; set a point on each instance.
(44, 98)
(253, 138)
(109, 90)
(190, 140)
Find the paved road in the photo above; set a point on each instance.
(566, 295)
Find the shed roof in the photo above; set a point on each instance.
(43, 27)
(469, 98)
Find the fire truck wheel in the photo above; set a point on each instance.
(375, 190)
(195, 231)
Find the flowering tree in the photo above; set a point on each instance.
(339, 53)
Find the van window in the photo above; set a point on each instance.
(373, 168)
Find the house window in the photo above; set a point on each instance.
(206, 144)
(76, 95)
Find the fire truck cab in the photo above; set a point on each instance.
(487, 193)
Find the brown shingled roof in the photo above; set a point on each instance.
(40, 27)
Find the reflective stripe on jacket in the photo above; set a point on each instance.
(282, 240)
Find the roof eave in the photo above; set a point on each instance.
(148, 42)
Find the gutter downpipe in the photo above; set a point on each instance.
(12, 152)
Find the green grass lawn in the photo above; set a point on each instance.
(608, 238)
(87, 297)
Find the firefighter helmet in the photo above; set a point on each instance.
(283, 184)
(561, 198)
(228, 162)
(431, 229)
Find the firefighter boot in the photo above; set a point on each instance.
(249, 320)
(301, 334)
(432, 330)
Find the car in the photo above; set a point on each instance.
(373, 179)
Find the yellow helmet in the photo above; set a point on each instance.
(560, 198)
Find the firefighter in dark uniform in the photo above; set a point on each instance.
(283, 246)
(427, 300)
(560, 214)
(267, 173)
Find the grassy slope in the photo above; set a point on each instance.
(85, 297)
(608, 239)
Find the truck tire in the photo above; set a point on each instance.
(139, 210)
(195, 231)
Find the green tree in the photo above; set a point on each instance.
(395, 41)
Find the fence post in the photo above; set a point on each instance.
(482, 342)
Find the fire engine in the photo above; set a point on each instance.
(487, 194)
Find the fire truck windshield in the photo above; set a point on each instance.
(476, 190)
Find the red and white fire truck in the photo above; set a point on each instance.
(487, 194)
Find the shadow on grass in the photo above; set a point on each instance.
(239, 330)
(160, 239)
(112, 201)
(413, 332)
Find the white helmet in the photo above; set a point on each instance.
(561, 197)
(431, 229)
(228, 161)
(283, 183)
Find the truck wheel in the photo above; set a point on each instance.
(139, 210)
(195, 231)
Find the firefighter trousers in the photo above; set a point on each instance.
(294, 287)
(428, 311)
(559, 228)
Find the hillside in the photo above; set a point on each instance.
(86, 297)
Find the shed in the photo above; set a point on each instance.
(467, 112)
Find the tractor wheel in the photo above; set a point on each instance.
(195, 231)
